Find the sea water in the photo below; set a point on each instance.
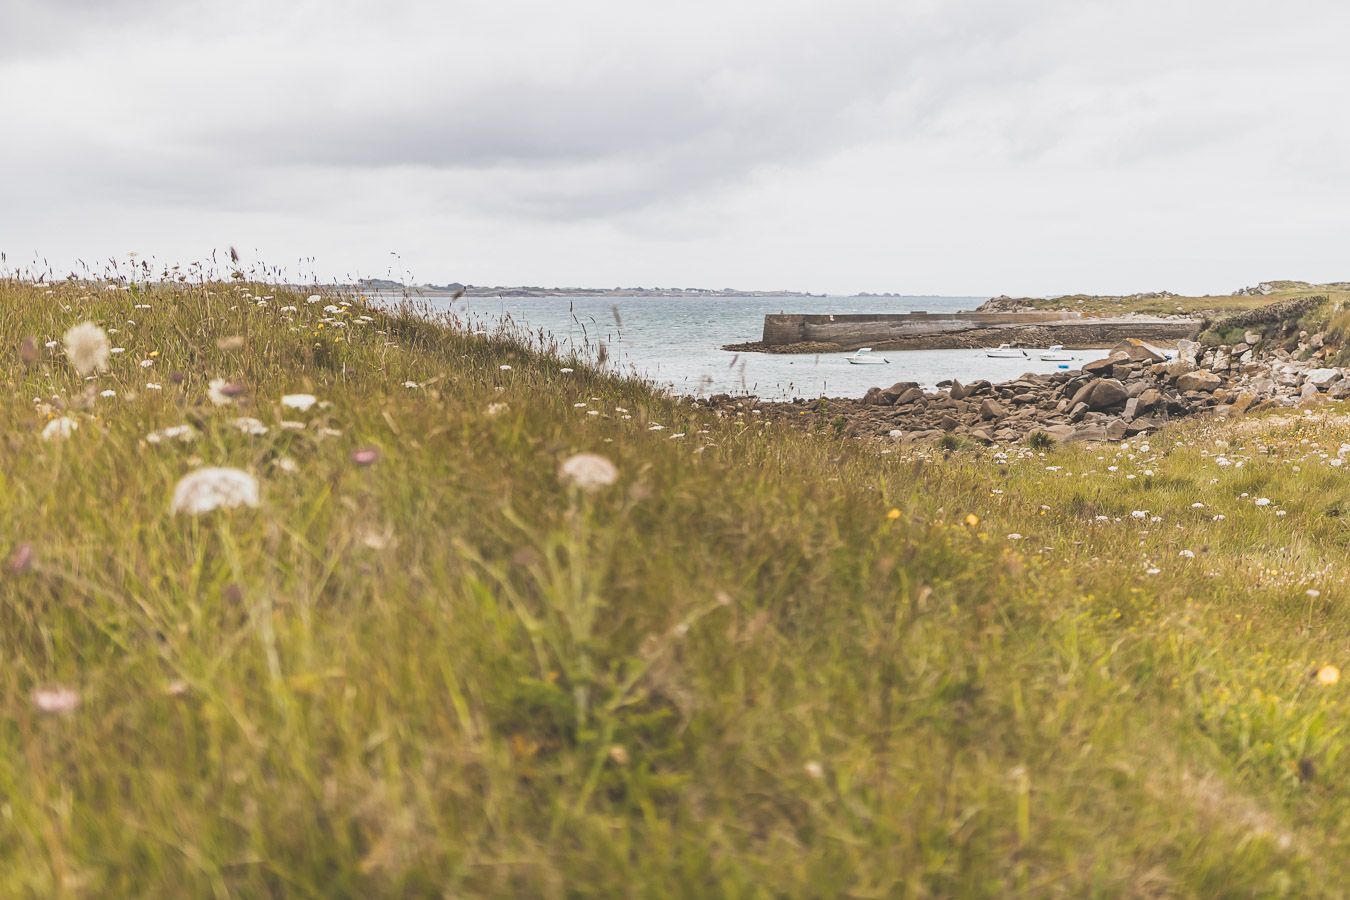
(676, 341)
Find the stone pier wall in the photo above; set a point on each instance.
(919, 331)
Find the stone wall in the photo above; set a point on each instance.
(919, 331)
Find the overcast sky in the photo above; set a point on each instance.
(1035, 147)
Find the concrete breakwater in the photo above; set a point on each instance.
(817, 333)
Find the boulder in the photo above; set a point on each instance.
(1323, 378)
(909, 397)
(990, 409)
(890, 394)
(1101, 366)
(1178, 367)
(1199, 381)
(1102, 393)
(871, 398)
(1189, 349)
(1088, 433)
(1137, 351)
(1252, 337)
(957, 391)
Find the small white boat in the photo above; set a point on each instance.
(1005, 351)
(863, 357)
(1057, 354)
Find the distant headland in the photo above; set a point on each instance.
(387, 285)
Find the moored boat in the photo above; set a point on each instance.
(1005, 351)
(863, 356)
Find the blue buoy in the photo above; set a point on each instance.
(1062, 366)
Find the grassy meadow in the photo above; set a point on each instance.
(1208, 305)
(762, 662)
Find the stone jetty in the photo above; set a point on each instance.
(811, 333)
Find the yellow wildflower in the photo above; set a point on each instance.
(972, 520)
(893, 514)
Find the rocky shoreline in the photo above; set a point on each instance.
(1134, 390)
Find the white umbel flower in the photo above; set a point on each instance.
(184, 433)
(88, 348)
(214, 488)
(59, 429)
(250, 425)
(215, 391)
(301, 402)
(588, 471)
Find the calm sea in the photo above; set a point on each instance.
(676, 342)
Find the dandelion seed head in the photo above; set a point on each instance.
(87, 348)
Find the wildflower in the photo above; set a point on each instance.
(1153, 570)
(1313, 592)
(233, 342)
(814, 769)
(588, 471)
(496, 409)
(153, 386)
(566, 371)
(893, 514)
(87, 348)
(1328, 675)
(301, 402)
(108, 394)
(59, 429)
(1187, 554)
(656, 428)
(1197, 505)
(411, 384)
(21, 559)
(184, 433)
(504, 367)
(618, 755)
(1014, 536)
(366, 456)
(249, 425)
(331, 309)
(56, 699)
(972, 520)
(313, 298)
(147, 363)
(1139, 514)
(1262, 501)
(221, 392)
(287, 465)
(214, 488)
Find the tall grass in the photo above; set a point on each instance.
(763, 662)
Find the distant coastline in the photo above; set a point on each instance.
(384, 285)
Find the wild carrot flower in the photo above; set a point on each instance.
(249, 425)
(301, 402)
(182, 433)
(217, 392)
(87, 348)
(56, 700)
(214, 488)
(59, 429)
(366, 456)
(588, 471)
